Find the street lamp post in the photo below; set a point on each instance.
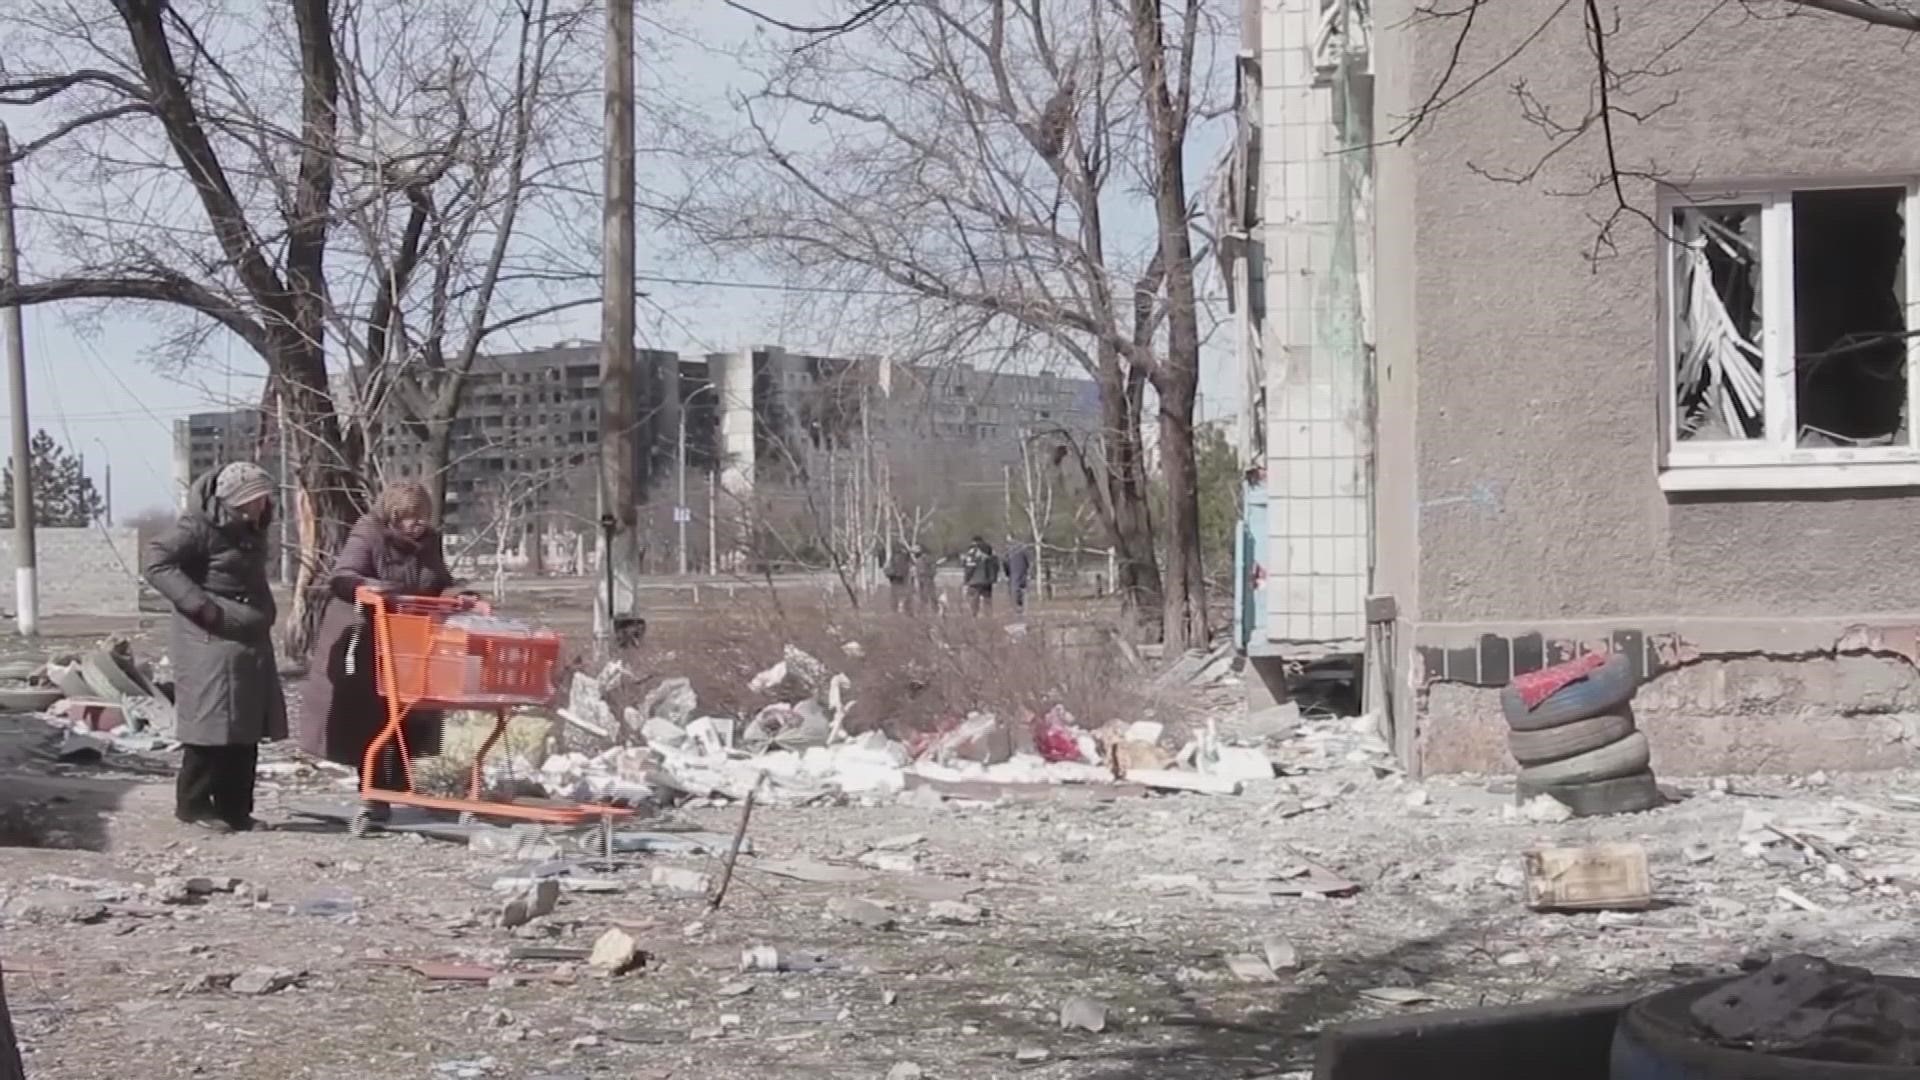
(680, 511)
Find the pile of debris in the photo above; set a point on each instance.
(797, 747)
(103, 693)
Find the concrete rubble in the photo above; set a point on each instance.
(796, 749)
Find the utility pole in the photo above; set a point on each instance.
(26, 589)
(619, 457)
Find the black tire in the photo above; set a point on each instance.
(1604, 689)
(1569, 740)
(1621, 795)
(1623, 757)
(1657, 1038)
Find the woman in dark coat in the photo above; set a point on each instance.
(397, 550)
(212, 567)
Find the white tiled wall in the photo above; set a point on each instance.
(1316, 435)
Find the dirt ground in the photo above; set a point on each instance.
(1078, 899)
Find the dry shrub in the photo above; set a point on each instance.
(909, 674)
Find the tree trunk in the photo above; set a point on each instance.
(1184, 605)
(1123, 500)
(1177, 378)
(11, 1067)
(436, 452)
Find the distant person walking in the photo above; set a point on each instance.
(397, 551)
(212, 567)
(920, 572)
(1019, 572)
(897, 567)
(980, 570)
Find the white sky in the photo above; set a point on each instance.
(93, 391)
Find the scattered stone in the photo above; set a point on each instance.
(1509, 877)
(537, 902)
(1794, 899)
(1514, 960)
(861, 913)
(1281, 955)
(260, 981)
(734, 990)
(955, 913)
(1083, 1014)
(676, 879)
(1546, 810)
(176, 890)
(893, 862)
(252, 893)
(1698, 854)
(1418, 797)
(1031, 1055)
(658, 732)
(615, 953)
(905, 1070)
(54, 906)
(900, 843)
(1248, 968)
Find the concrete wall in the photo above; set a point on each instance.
(82, 571)
(1538, 422)
(1533, 514)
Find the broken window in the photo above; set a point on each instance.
(1788, 328)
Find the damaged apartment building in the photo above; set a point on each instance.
(1508, 411)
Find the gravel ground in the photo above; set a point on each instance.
(1076, 898)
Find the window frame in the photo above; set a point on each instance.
(1774, 462)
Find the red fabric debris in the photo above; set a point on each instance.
(1537, 686)
(1054, 738)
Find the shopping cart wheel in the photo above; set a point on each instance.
(599, 841)
(359, 823)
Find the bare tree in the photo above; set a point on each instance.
(449, 226)
(985, 159)
(148, 113)
(309, 179)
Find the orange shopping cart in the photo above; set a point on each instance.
(451, 653)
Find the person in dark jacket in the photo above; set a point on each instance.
(1019, 572)
(895, 567)
(212, 567)
(396, 550)
(980, 569)
(920, 573)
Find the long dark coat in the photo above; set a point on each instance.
(341, 709)
(226, 684)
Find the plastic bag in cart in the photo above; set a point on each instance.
(474, 622)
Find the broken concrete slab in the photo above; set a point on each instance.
(537, 901)
(862, 913)
(676, 879)
(1083, 1014)
(260, 981)
(956, 913)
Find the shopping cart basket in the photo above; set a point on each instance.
(450, 653)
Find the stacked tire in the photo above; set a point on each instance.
(1581, 746)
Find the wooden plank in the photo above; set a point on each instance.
(1596, 878)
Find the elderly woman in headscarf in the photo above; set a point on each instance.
(212, 567)
(396, 550)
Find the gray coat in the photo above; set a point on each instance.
(212, 567)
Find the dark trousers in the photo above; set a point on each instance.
(979, 599)
(216, 782)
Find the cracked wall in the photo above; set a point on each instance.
(1831, 697)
